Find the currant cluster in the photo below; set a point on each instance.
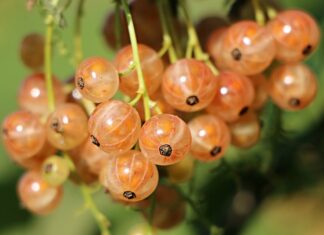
(170, 113)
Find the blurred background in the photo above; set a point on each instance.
(276, 187)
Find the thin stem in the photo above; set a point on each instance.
(100, 218)
(78, 52)
(259, 15)
(134, 101)
(271, 12)
(48, 67)
(127, 71)
(132, 35)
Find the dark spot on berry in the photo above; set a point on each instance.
(56, 126)
(165, 150)
(129, 195)
(81, 83)
(192, 100)
(236, 54)
(294, 102)
(95, 141)
(307, 50)
(215, 151)
(48, 168)
(244, 111)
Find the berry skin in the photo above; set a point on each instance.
(32, 51)
(296, 35)
(246, 131)
(114, 126)
(189, 85)
(248, 48)
(23, 134)
(210, 137)
(182, 171)
(292, 87)
(165, 139)
(55, 171)
(152, 67)
(129, 176)
(233, 97)
(32, 95)
(67, 126)
(260, 87)
(97, 79)
(36, 195)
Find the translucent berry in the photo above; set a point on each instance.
(189, 85)
(32, 51)
(233, 98)
(129, 177)
(182, 171)
(55, 170)
(97, 79)
(67, 126)
(165, 139)
(114, 126)
(152, 67)
(32, 95)
(210, 137)
(296, 35)
(248, 48)
(292, 87)
(246, 131)
(23, 134)
(36, 195)
(260, 89)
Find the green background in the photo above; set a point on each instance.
(68, 219)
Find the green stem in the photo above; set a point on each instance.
(259, 15)
(100, 218)
(78, 52)
(132, 35)
(48, 67)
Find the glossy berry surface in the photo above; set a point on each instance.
(246, 131)
(247, 48)
(66, 127)
(210, 137)
(55, 170)
(129, 177)
(214, 47)
(152, 67)
(292, 87)
(296, 35)
(165, 139)
(259, 82)
(114, 126)
(32, 95)
(32, 51)
(233, 98)
(36, 195)
(97, 79)
(188, 85)
(23, 134)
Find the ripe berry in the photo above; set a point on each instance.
(32, 95)
(214, 47)
(55, 170)
(296, 35)
(246, 131)
(36, 195)
(189, 85)
(97, 79)
(210, 137)
(165, 139)
(32, 51)
(248, 48)
(152, 67)
(233, 97)
(129, 177)
(260, 89)
(67, 126)
(23, 134)
(114, 126)
(182, 171)
(292, 87)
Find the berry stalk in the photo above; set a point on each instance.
(259, 15)
(142, 91)
(78, 52)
